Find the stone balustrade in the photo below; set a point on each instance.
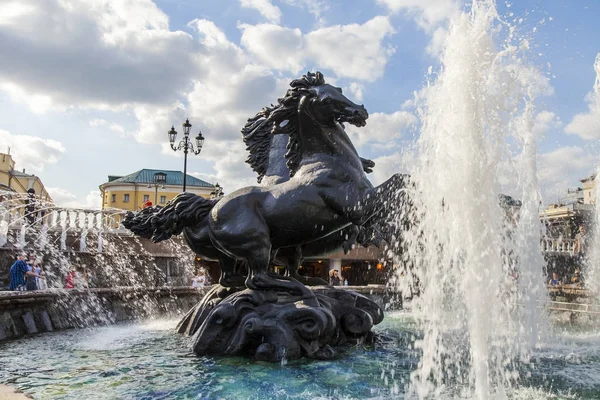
(557, 245)
(61, 218)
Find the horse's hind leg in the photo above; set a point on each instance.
(292, 260)
(228, 276)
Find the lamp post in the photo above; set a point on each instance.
(186, 145)
(160, 178)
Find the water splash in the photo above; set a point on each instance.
(476, 259)
(59, 237)
(592, 265)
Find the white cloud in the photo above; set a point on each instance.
(265, 8)
(31, 152)
(544, 122)
(64, 198)
(99, 122)
(352, 51)
(386, 166)
(333, 47)
(437, 42)
(275, 46)
(117, 55)
(382, 128)
(232, 172)
(155, 121)
(93, 53)
(432, 16)
(428, 14)
(563, 168)
(587, 125)
(315, 7)
(357, 90)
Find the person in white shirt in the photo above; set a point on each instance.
(199, 280)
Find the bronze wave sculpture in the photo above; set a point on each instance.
(327, 191)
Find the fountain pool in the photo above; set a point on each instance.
(148, 360)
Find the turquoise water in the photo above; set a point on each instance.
(149, 361)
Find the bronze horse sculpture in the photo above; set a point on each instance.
(327, 191)
(267, 158)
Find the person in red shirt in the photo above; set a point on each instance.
(70, 281)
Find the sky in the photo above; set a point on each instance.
(89, 88)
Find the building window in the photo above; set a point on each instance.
(146, 197)
(126, 198)
(163, 199)
(113, 198)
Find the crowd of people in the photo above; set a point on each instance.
(575, 279)
(27, 273)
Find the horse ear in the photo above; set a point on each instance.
(320, 77)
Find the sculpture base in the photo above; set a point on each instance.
(270, 326)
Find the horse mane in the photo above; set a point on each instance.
(279, 119)
(257, 136)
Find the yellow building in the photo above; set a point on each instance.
(15, 181)
(146, 186)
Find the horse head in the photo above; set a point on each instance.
(329, 105)
(322, 107)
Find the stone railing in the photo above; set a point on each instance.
(48, 220)
(57, 218)
(557, 245)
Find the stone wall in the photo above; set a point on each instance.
(32, 312)
(54, 309)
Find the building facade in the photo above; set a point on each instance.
(149, 187)
(19, 182)
(589, 189)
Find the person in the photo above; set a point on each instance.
(38, 269)
(30, 206)
(334, 278)
(80, 280)
(555, 279)
(91, 278)
(576, 278)
(579, 246)
(18, 271)
(31, 280)
(199, 280)
(70, 279)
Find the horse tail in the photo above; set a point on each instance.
(183, 211)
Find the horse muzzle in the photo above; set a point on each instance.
(356, 116)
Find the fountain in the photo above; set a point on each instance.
(268, 316)
(479, 267)
(473, 328)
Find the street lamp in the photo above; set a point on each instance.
(186, 144)
(160, 178)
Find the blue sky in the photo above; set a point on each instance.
(89, 88)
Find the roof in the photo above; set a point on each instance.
(589, 178)
(15, 172)
(173, 178)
